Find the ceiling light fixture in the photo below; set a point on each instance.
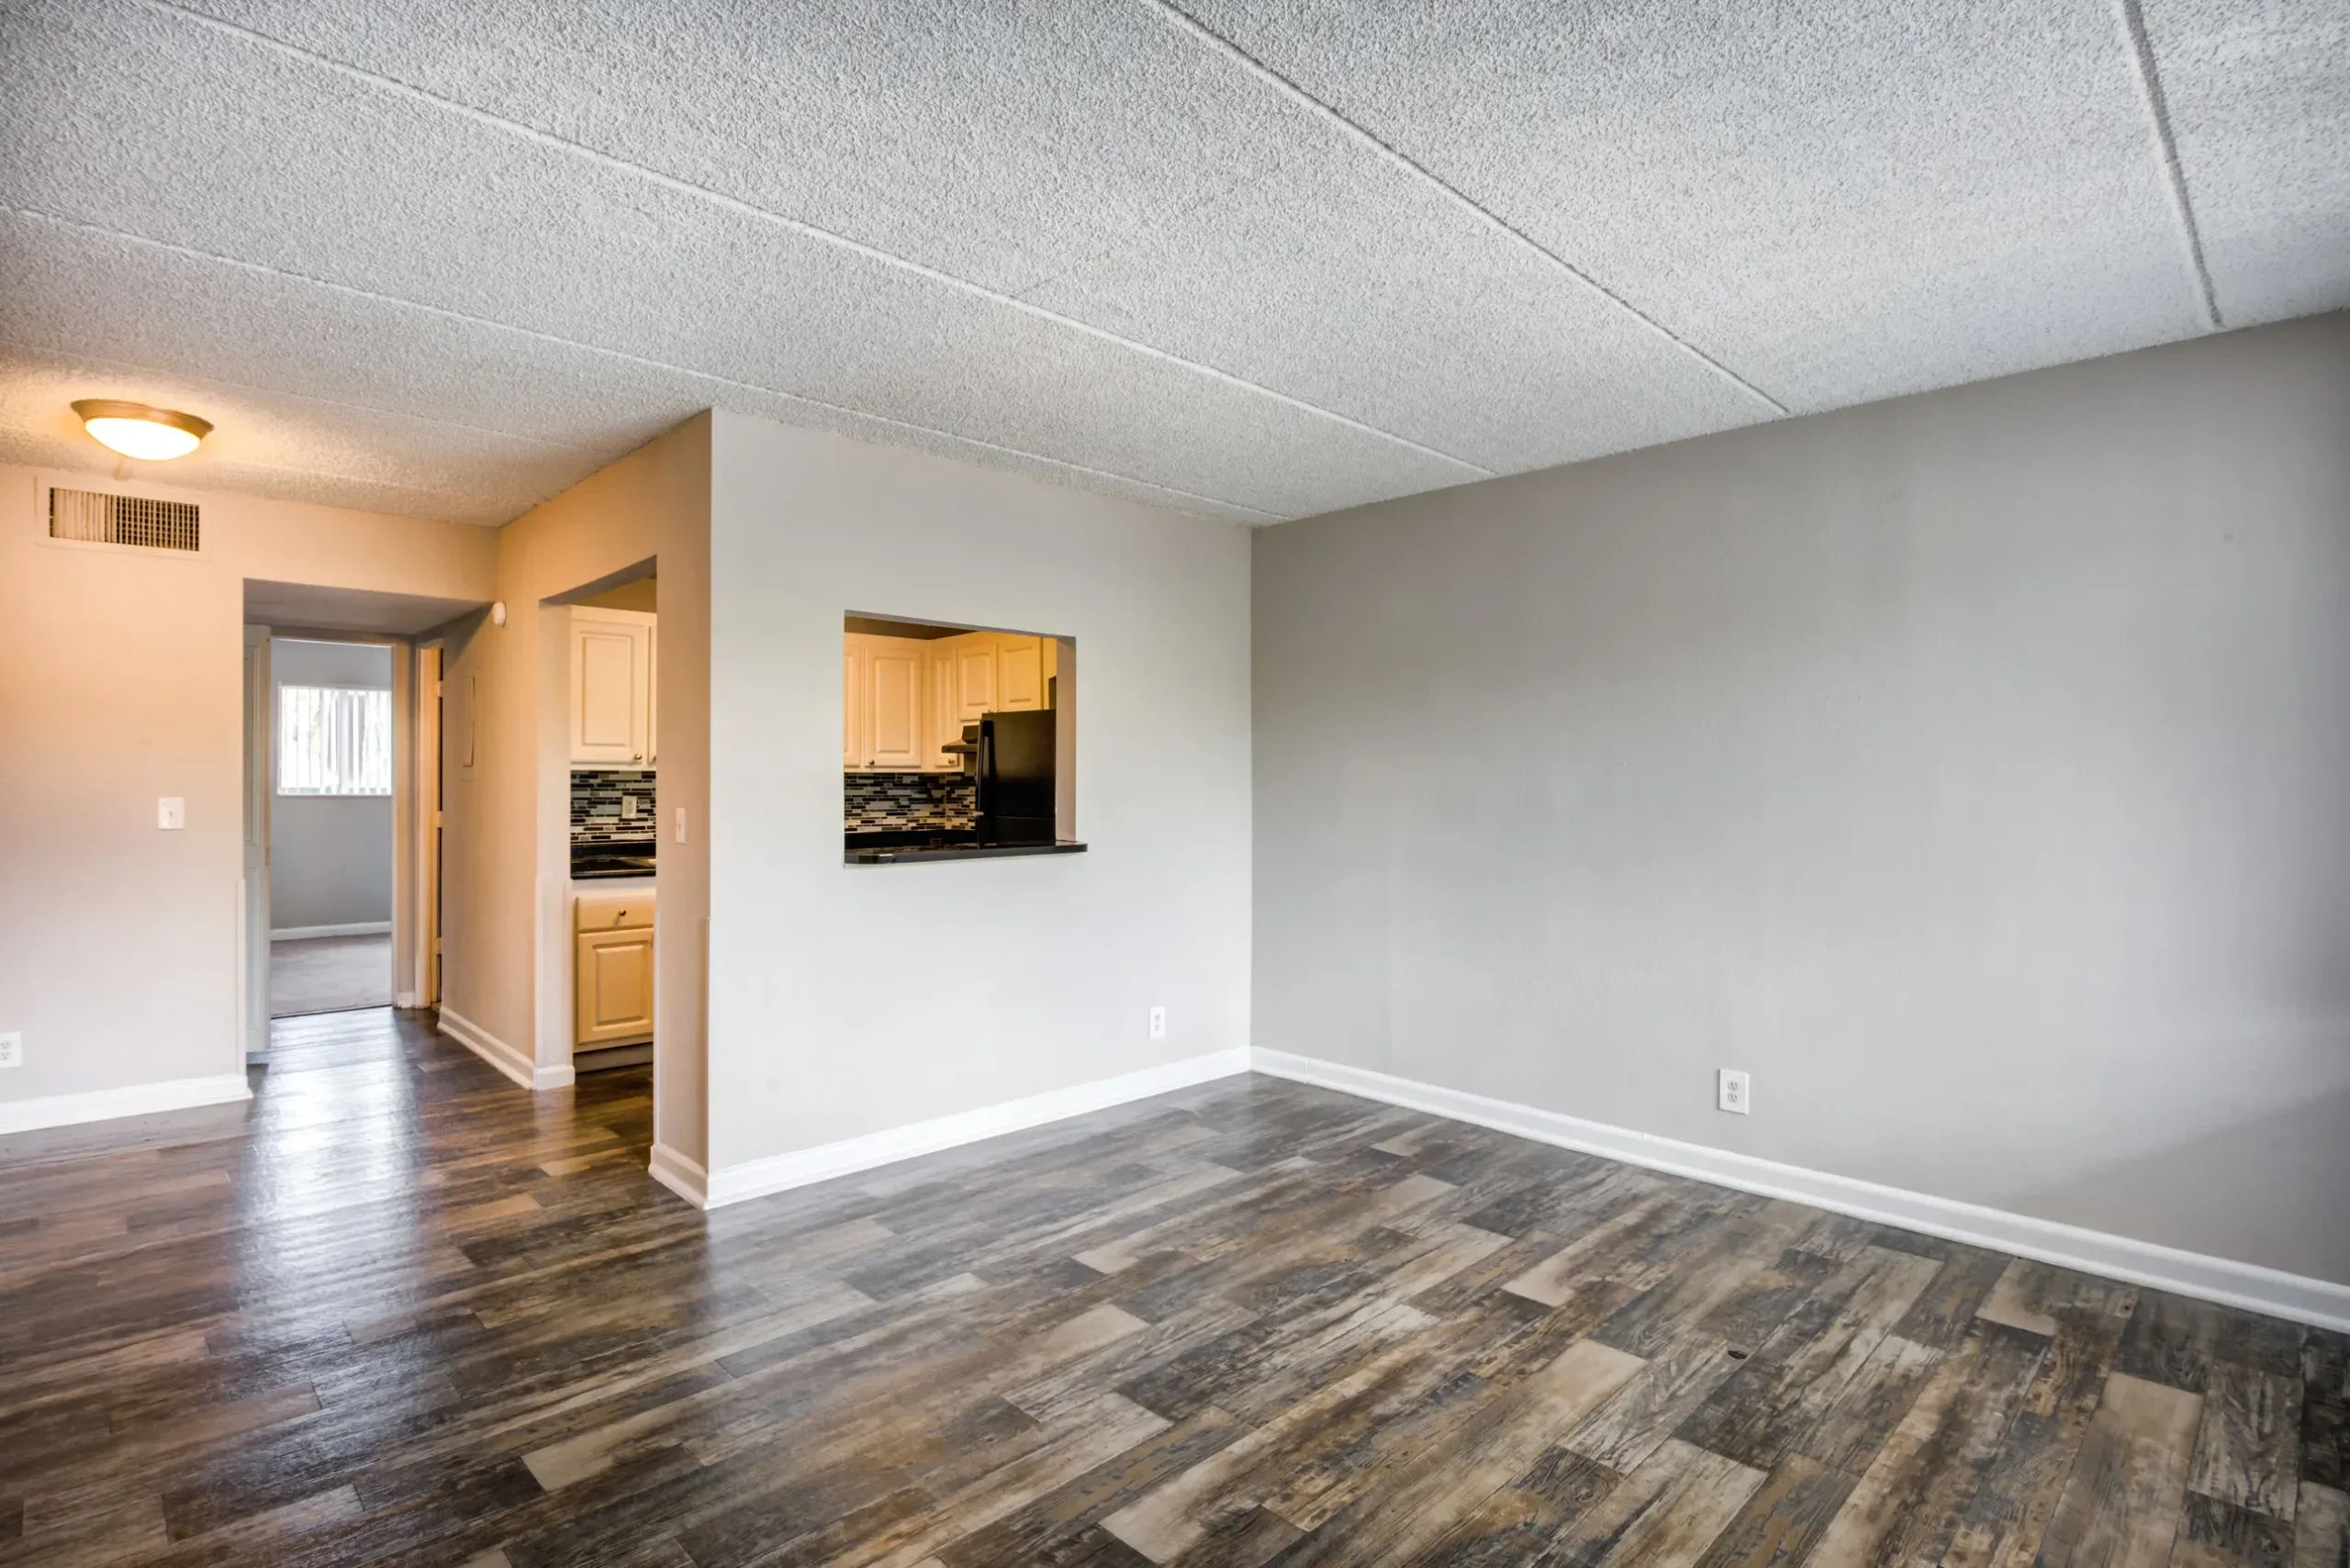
(153, 435)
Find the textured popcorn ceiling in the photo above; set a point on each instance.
(1252, 258)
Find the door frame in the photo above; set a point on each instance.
(252, 898)
(424, 987)
(253, 884)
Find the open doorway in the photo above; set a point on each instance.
(339, 899)
(612, 630)
(331, 827)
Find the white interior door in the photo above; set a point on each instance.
(260, 735)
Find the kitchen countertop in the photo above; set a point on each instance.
(622, 858)
(885, 848)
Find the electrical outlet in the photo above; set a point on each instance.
(171, 812)
(1158, 1022)
(11, 1050)
(1729, 1091)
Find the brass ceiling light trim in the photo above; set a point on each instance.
(140, 431)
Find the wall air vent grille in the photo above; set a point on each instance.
(91, 518)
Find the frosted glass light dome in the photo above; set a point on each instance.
(152, 435)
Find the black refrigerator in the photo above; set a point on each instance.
(1015, 763)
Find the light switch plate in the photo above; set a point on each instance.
(170, 812)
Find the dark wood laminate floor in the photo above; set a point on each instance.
(399, 1312)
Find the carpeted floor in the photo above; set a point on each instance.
(327, 974)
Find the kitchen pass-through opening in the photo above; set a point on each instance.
(956, 742)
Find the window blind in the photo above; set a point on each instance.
(333, 740)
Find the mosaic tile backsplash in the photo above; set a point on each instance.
(599, 814)
(903, 801)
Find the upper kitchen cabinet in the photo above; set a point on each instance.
(612, 718)
(973, 654)
(883, 683)
(997, 672)
(945, 718)
(1019, 674)
(905, 699)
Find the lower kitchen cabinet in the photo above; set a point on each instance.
(613, 971)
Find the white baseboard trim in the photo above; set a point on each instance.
(513, 1063)
(2231, 1284)
(756, 1178)
(682, 1174)
(359, 928)
(135, 1100)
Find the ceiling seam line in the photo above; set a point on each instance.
(264, 269)
(2157, 106)
(300, 397)
(1404, 161)
(804, 228)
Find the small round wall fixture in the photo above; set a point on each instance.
(135, 429)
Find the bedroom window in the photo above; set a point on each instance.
(333, 740)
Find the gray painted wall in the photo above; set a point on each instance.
(330, 856)
(1973, 769)
(844, 1000)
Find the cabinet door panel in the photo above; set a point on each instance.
(1020, 675)
(611, 687)
(613, 998)
(946, 716)
(852, 705)
(975, 680)
(604, 664)
(893, 677)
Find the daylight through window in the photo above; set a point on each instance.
(333, 740)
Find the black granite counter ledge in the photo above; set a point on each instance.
(881, 855)
(612, 858)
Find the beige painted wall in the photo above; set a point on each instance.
(849, 999)
(1973, 769)
(505, 905)
(120, 681)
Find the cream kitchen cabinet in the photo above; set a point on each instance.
(904, 700)
(1019, 674)
(997, 672)
(884, 725)
(945, 718)
(612, 968)
(973, 653)
(611, 687)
